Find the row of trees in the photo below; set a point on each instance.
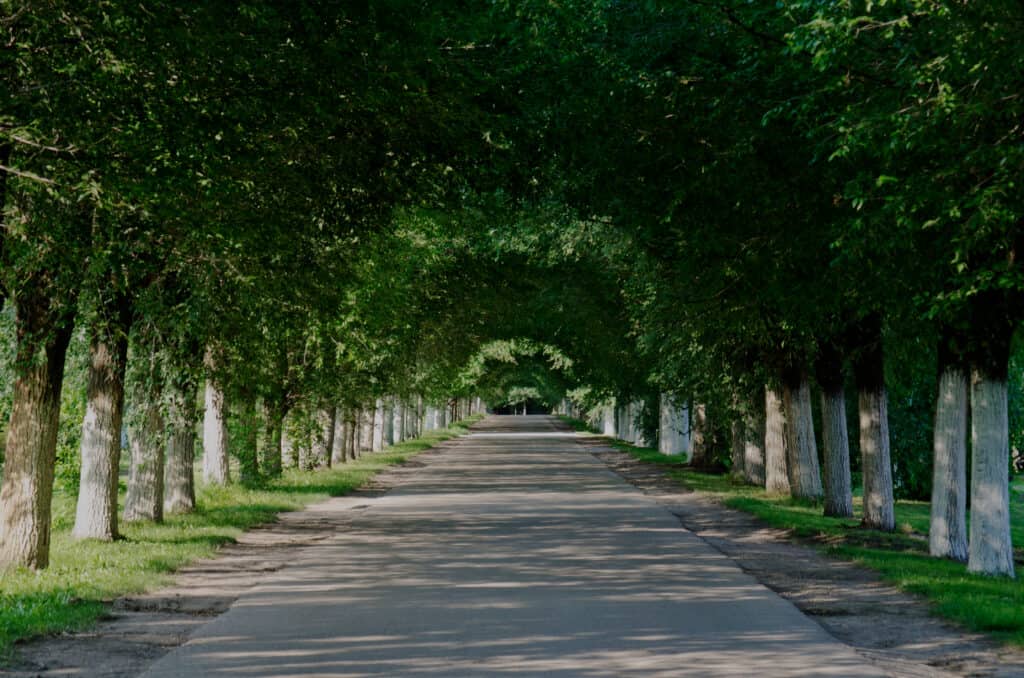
(808, 189)
(208, 194)
(770, 209)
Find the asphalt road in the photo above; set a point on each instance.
(514, 553)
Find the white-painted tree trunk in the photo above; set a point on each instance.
(775, 471)
(991, 549)
(145, 497)
(323, 437)
(673, 425)
(700, 437)
(947, 532)
(638, 437)
(608, 423)
(340, 436)
(398, 421)
(387, 422)
(801, 448)
(836, 443)
(879, 512)
(179, 472)
(365, 431)
(96, 510)
(377, 420)
(215, 436)
(873, 408)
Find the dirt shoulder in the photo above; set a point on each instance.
(141, 629)
(891, 629)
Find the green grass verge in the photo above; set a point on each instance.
(988, 604)
(85, 576)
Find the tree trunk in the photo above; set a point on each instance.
(96, 513)
(31, 448)
(145, 498)
(608, 420)
(377, 423)
(834, 435)
(873, 405)
(700, 439)
(352, 446)
(775, 464)
(947, 533)
(991, 549)
(387, 422)
(674, 424)
(801, 447)
(738, 450)
(340, 436)
(179, 472)
(215, 429)
(323, 436)
(398, 421)
(365, 431)
(753, 442)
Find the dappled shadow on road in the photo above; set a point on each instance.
(513, 556)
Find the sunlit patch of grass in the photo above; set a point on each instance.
(84, 576)
(993, 605)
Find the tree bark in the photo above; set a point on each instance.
(398, 421)
(947, 533)
(387, 422)
(216, 469)
(323, 436)
(377, 423)
(991, 548)
(700, 438)
(674, 424)
(608, 420)
(738, 448)
(340, 436)
(873, 406)
(145, 498)
(179, 472)
(352, 446)
(801, 447)
(96, 511)
(365, 431)
(835, 435)
(31, 447)
(776, 474)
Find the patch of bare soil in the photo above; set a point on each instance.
(889, 628)
(140, 629)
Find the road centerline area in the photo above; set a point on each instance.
(514, 552)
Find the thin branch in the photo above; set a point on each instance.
(27, 175)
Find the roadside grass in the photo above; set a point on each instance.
(85, 576)
(993, 605)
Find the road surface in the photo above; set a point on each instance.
(513, 553)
